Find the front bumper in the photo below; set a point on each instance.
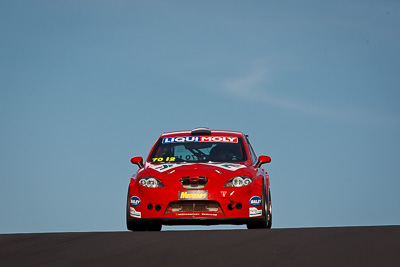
(208, 206)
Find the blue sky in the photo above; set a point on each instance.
(86, 85)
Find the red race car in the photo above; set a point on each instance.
(202, 177)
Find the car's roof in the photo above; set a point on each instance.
(213, 133)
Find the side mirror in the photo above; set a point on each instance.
(262, 160)
(138, 161)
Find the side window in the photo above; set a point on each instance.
(252, 154)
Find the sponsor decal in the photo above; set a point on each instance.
(197, 214)
(195, 195)
(223, 193)
(209, 214)
(255, 201)
(163, 167)
(226, 166)
(188, 214)
(254, 212)
(135, 213)
(162, 159)
(135, 201)
(185, 139)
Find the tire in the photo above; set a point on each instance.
(143, 226)
(266, 221)
(136, 226)
(154, 227)
(269, 211)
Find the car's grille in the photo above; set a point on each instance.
(196, 182)
(194, 206)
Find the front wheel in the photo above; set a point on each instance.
(136, 226)
(269, 212)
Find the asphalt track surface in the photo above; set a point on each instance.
(338, 246)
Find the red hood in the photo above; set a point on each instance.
(213, 170)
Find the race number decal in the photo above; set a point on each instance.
(162, 159)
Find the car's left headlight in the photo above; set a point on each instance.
(239, 181)
(150, 182)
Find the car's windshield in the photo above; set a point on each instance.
(198, 149)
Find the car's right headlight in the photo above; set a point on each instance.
(150, 182)
(239, 181)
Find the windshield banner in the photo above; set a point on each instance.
(184, 139)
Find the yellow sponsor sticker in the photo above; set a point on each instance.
(162, 159)
(193, 195)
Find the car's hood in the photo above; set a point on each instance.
(214, 170)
